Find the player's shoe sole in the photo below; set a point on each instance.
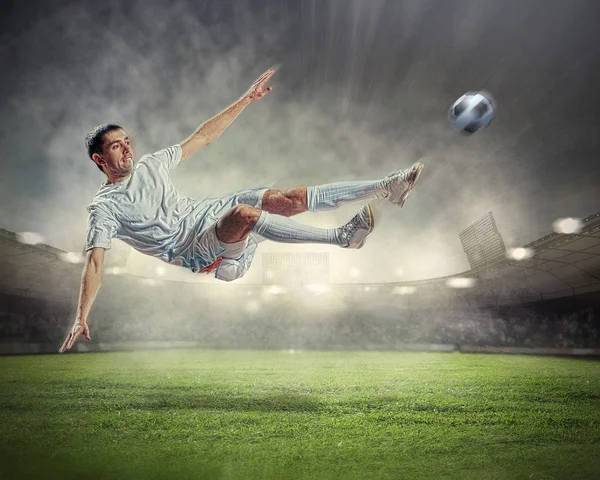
(412, 182)
(359, 227)
(398, 185)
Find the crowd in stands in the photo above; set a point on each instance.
(578, 328)
(30, 321)
(280, 323)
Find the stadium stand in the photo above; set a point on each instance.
(551, 299)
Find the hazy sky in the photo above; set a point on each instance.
(364, 90)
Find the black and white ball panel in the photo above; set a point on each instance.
(472, 112)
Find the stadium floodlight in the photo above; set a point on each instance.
(355, 272)
(519, 253)
(399, 272)
(30, 238)
(275, 290)
(567, 225)
(70, 257)
(457, 282)
(404, 290)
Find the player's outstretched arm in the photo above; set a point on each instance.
(211, 129)
(91, 279)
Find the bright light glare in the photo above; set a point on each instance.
(355, 272)
(115, 270)
(404, 290)
(460, 282)
(520, 253)
(30, 238)
(316, 288)
(70, 257)
(567, 225)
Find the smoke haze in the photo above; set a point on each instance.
(364, 90)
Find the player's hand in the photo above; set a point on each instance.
(258, 90)
(78, 328)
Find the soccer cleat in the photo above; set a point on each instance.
(398, 185)
(354, 233)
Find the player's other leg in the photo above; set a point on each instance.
(395, 187)
(241, 220)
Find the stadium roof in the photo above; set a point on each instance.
(558, 265)
(27, 268)
(561, 265)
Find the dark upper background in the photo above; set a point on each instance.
(364, 89)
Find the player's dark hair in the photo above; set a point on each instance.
(94, 140)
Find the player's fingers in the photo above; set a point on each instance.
(259, 83)
(268, 74)
(73, 338)
(65, 343)
(266, 77)
(260, 79)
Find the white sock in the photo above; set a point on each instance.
(281, 229)
(333, 195)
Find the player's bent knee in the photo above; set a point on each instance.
(245, 214)
(237, 223)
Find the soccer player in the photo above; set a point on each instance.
(139, 204)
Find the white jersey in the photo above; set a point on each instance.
(147, 212)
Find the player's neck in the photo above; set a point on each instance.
(116, 179)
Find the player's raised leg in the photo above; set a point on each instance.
(241, 220)
(395, 187)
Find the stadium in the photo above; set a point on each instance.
(461, 341)
(311, 355)
(544, 301)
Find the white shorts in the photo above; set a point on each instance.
(209, 242)
(236, 258)
(208, 248)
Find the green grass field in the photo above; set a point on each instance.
(268, 414)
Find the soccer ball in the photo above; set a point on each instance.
(472, 112)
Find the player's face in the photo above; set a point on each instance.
(117, 153)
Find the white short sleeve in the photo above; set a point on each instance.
(102, 228)
(170, 156)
